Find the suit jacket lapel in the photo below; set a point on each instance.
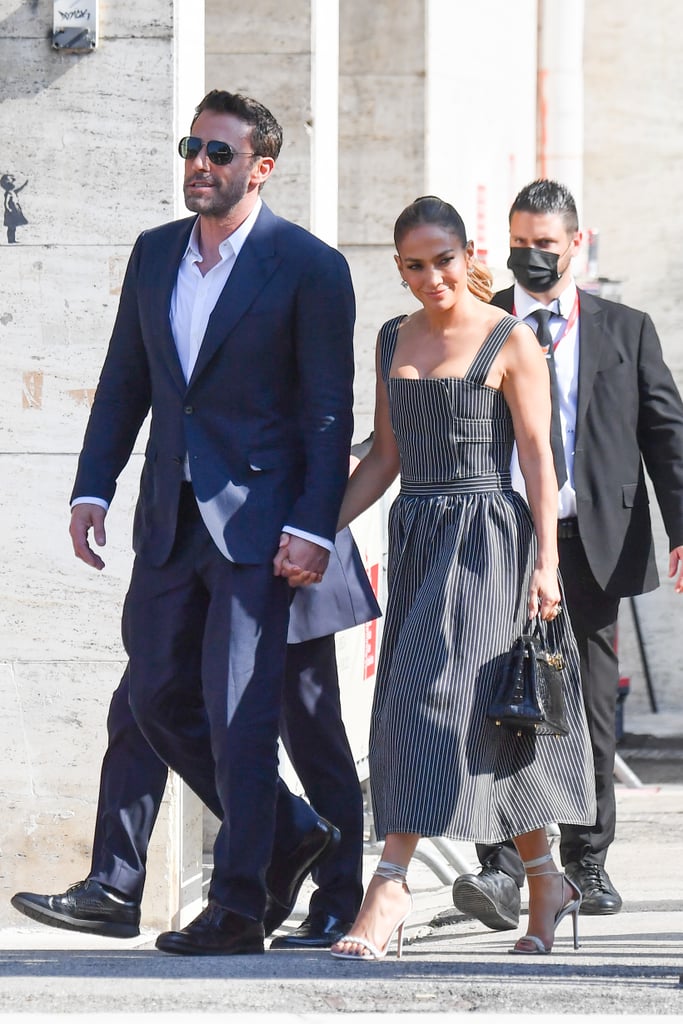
(504, 299)
(590, 344)
(167, 271)
(253, 268)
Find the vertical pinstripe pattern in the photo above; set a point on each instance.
(461, 551)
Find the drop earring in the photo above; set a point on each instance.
(404, 284)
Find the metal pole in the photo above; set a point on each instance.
(643, 656)
(626, 774)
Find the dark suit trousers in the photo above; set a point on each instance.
(132, 783)
(200, 615)
(315, 739)
(593, 615)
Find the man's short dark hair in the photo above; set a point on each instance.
(546, 196)
(266, 133)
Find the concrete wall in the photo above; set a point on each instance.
(92, 134)
(479, 154)
(633, 193)
(425, 96)
(381, 161)
(263, 49)
(634, 153)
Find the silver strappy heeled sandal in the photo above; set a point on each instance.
(395, 873)
(571, 907)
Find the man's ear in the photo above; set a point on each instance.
(262, 170)
(576, 242)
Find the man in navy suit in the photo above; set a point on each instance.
(133, 778)
(235, 329)
(619, 414)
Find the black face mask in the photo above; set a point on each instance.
(535, 269)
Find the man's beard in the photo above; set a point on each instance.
(219, 200)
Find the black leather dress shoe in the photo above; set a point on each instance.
(491, 896)
(318, 931)
(217, 931)
(286, 875)
(86, 907)
(599, 895)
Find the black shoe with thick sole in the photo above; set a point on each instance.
(86, 907)
(599, 894)
(286, 874)
(216, 931)
(491, 896)
(318, 931)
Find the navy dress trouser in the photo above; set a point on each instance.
(315, 739)
(199, 615)
(133, 779)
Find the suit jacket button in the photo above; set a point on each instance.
(189, 409)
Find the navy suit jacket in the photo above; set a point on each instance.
(629, 417)
(266, 417)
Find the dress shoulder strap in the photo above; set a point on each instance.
(481, 364)
(388, 336)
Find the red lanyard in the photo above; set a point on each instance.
(567, 325)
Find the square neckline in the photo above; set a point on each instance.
(465, 377)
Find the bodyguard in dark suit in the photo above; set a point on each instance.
(235, 330)
(619, 414)
(133, 779)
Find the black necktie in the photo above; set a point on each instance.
(542, 317)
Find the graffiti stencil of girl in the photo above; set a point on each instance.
(14, 216)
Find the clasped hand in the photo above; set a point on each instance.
(300, 561)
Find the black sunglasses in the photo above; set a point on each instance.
(220, 153)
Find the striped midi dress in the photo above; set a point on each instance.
(461, 553)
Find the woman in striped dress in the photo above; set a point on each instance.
(458, 382)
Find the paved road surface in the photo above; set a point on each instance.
(627, 964)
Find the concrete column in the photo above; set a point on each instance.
(560, 94)
(94, 137)
(481, 114)
(265, 49)
(381, 161)
(325, 119)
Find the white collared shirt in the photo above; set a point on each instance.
(567, 372)
(195, 294)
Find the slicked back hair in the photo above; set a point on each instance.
(429, 210)
(266, 133)
(547, 196)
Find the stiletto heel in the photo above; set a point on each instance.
(395, 873)
(571, 907)
(399, 941)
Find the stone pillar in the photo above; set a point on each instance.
(93, 135)
(382, 70)
(560, 94)
(264, 49)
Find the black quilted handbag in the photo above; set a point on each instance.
(529, 696)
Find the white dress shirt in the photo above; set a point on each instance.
(567, 372)
(195, 294)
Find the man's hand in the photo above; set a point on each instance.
(300, 561)
(676, 566)
(85, 517)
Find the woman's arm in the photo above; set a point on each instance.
(526, 387)
(379, 468)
